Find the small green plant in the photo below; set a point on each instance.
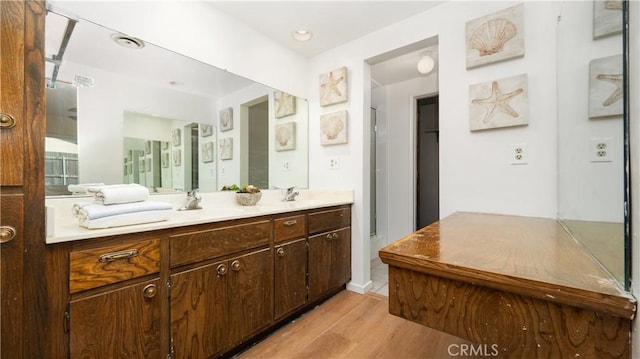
(233, 187)
(249, 189)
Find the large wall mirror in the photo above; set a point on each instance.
(591, 129)
(120, 110)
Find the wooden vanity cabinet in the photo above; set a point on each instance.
(329, 250)
(215, 305)
(115, 306)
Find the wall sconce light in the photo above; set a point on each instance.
(426, 63)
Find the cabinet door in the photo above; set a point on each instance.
(250, 294)
(290, 277)
(341, 257)
(123, 323)
(319, 265)
(329, 261)
(199, 311)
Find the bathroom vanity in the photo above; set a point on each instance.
(519, 286)
(201, 284)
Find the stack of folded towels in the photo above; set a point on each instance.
(120, 205)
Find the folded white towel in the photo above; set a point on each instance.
(120, 193)
(82, 187)
(126, 219)
(89, 211)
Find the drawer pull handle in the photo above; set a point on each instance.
(7, 120)
(280, 252)
(290, 223)
(235, 265)
(7, 234)
(222, 270)
(114, 256)
(336, 236)
(329, 236)
(150, 291)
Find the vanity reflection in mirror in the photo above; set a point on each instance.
(120, 110)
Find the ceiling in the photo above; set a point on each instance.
(333, 23)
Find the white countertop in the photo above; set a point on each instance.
(216, 206)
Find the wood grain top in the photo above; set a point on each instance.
(524, 255)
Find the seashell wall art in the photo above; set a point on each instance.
(285, 136)
(226, 119)
(499, 103)
(607, 18)
(495, 37)
(333, 128)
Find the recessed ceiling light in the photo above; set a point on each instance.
(129, 42)
(176, 83)
(302, 35)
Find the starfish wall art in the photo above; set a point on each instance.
(499, 103)
(333, 87)
(605, 86)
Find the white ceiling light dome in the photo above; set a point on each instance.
(426, 64)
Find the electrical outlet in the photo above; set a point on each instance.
(600, 149)
(284, 166)
(519, 154)
(334, 163)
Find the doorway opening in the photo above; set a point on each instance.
(427, 161)
(255, 143)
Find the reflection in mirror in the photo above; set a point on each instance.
(590, 130)
(154, 117)
(61, 157)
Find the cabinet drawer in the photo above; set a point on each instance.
(289, 228)
(92, 268)
(328, 220)
(203, 245)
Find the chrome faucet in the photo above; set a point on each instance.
(290, 195)
(192, 201)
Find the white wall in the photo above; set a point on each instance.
(475, 173)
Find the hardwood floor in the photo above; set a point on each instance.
(352, 325)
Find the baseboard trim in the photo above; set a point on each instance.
(358, 288)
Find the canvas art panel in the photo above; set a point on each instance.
(607, 18)
(207, 152)
(605, 87)
(284, 103)
(147, 147)
(165, 145)
(333, 128)
(206, 130)
(333, 87)
(499, 103)
(175, 136)
(141, 165)
(226, 148)
(285, 134)
(495, 37)
(165, 160)
(177, 157)
(226, 119)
